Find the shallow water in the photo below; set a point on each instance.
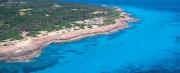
(152, 45)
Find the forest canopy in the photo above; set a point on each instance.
(17, 16)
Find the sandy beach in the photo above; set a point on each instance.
(31, 47)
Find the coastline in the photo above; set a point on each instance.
(31, 48)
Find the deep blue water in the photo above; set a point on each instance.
(152, 45)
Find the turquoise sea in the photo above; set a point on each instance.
(152, 45)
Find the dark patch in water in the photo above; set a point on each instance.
(65, 62)
(160, 70)
(70, 51)
(177, 39)
(39, 67)
(27, 67)
(94, 44)
(140, 70)
(60, 56)
(170, 64)
(81, 53)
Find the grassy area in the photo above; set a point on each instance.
(44, 15)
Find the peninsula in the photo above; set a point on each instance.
(28, 26)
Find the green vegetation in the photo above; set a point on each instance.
(112, 17)
(44, 15)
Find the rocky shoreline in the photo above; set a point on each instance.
(31, 48)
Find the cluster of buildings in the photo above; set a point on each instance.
(94, 21)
